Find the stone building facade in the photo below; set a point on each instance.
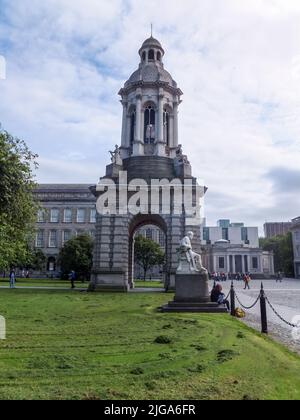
(277, 228)
(296, 245)
(66, 211)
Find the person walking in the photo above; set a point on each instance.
(247, 282)
(12, 279)
(72, 277)
(279, 277)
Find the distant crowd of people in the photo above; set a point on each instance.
(221, 277)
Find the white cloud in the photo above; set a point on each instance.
(236, 61)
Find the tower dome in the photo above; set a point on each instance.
(152, 43)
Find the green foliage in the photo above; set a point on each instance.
(147, 254)
(17, 206)
(77, 255)
(282, 246)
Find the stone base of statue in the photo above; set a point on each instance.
(192, 292)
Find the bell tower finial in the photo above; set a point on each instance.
(151, 30)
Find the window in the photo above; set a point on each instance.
(93, 234)
(158, 56)
(40, 236)
(166, 127)
(298, 251)
(53, 239)
(149, 234)
(68, 216)
(297, 236)
(54, 216)
(206, 235)
(244, 233)
(225, 234)
(151, 55)
(81, 216)
(93, 216)
(41, 216)
(66, 236)
(222, 263)
(162, 239)
(149, 128)
(255, 263)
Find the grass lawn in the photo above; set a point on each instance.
(149, 284)
(63, 345)
(43, 283)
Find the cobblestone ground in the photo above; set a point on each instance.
(285, 297)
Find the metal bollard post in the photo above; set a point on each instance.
(232, 300)
(263, 311)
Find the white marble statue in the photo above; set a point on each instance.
(116, 156)
(189, 261)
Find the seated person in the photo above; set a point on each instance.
(218, 297)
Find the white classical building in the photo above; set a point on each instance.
(296, 245)
(234, 248)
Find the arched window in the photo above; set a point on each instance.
(144, 56)
(158, 56)
(149, 127)
(166, 127)
(132, 128)
(151, 55)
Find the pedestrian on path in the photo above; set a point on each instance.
(247, 280)
(12, 279)
(279, 277)
(72, 277)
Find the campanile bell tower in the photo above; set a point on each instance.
(150, 100)
(149, 156)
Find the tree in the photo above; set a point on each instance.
(282, 247)
(77, 255)
(18, 208)
(148, 254)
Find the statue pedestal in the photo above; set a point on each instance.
(192, 295)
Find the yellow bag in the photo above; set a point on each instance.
(239, 313)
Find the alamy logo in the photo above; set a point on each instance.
(2, 328)
(2, 68)
(157, 196)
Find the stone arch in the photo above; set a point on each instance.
(135, 223)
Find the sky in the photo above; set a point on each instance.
(237, 62)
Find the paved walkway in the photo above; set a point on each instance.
(285, 297)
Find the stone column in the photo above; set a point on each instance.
(243, 264)
(228, 264)
(161, 151)
(175, 129)
(233, 264)
(138, 144)
(124, 124)
(124, 136)
(171, 130)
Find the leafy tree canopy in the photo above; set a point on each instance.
(148, 254)
(17, 206)
(77, 255)
(282, 246)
